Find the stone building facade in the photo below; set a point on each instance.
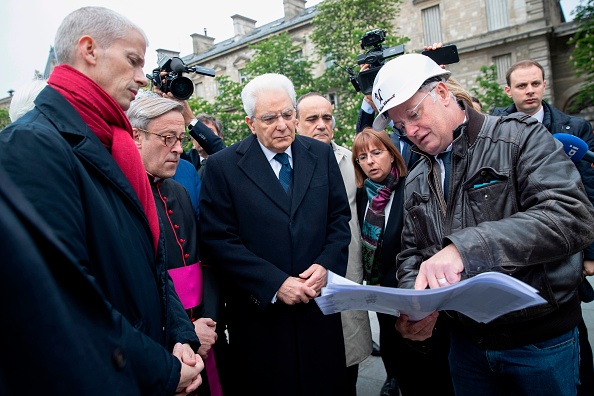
(486, 32)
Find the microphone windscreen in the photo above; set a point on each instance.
(177, 65)
(573, 146)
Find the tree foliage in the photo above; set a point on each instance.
(583, 53)
(277, 54)
(338, 28)
(4, 118)
(490, 93)
(227, 107)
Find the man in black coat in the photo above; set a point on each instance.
(526, 86)
(87, 182)
(275, 224)
(56, 319)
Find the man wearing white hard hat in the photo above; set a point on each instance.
(507, 200)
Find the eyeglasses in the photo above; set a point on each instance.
(373, 154)
(270, 119)
(169, 140)
(413, 116)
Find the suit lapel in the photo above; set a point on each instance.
(303, 169)
(256, 167)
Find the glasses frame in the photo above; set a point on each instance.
(369, 155)
(271, 119)
(183, 140)
(401, 131)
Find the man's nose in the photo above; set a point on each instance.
(177, 147)
(411, 130)
(140, 78)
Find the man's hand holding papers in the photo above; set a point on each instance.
(483, 297)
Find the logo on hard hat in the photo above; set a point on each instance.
(378, 96)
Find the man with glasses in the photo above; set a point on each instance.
(508, 200)
(159, 134)
(274, 220)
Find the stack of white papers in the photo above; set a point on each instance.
(483, 297)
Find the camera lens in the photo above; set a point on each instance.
(182, 88)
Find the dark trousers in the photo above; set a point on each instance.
(352, 374)
(410, 361)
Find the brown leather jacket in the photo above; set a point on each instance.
(516, 205)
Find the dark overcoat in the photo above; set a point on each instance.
(54, 312)
(258, 236)
(74, 183)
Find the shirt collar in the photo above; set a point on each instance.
(270, 154)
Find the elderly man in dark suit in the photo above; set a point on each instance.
(275, 226)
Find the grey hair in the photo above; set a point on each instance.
(24, 97)
(102, 24)
(212, 120)
(149, 107)
(264, 83)
(428, 87)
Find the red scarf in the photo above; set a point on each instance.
(109, 122)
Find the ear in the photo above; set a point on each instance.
(137, 138)
(296, 125)
(442, 92)
(250, 122)
(508, 91)
(87, 50)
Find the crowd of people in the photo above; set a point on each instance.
(137, 269)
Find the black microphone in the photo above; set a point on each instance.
(575, 148)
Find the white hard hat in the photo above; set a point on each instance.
(398, 80)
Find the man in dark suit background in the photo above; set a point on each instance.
(275, 230)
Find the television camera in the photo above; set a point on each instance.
(375, 56)
(180, 87)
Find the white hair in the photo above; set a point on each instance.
(264, 83)
(24, 97)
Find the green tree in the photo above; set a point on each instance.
(277, 54)
(583, 53)
(338, 28)
(4, 118)
(489, 92)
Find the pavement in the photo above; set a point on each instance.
(372, 373)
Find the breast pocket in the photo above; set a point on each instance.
(419, 208)
(487, 197)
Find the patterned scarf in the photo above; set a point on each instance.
(109, 122)
(372, 230)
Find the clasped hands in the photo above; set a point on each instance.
(191, 366)
(302, 289)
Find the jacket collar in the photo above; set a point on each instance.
(85, 144)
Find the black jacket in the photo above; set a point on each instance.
(80, 191)
(55, 313)
(516, 205)
(558, 122)
(391, 235)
